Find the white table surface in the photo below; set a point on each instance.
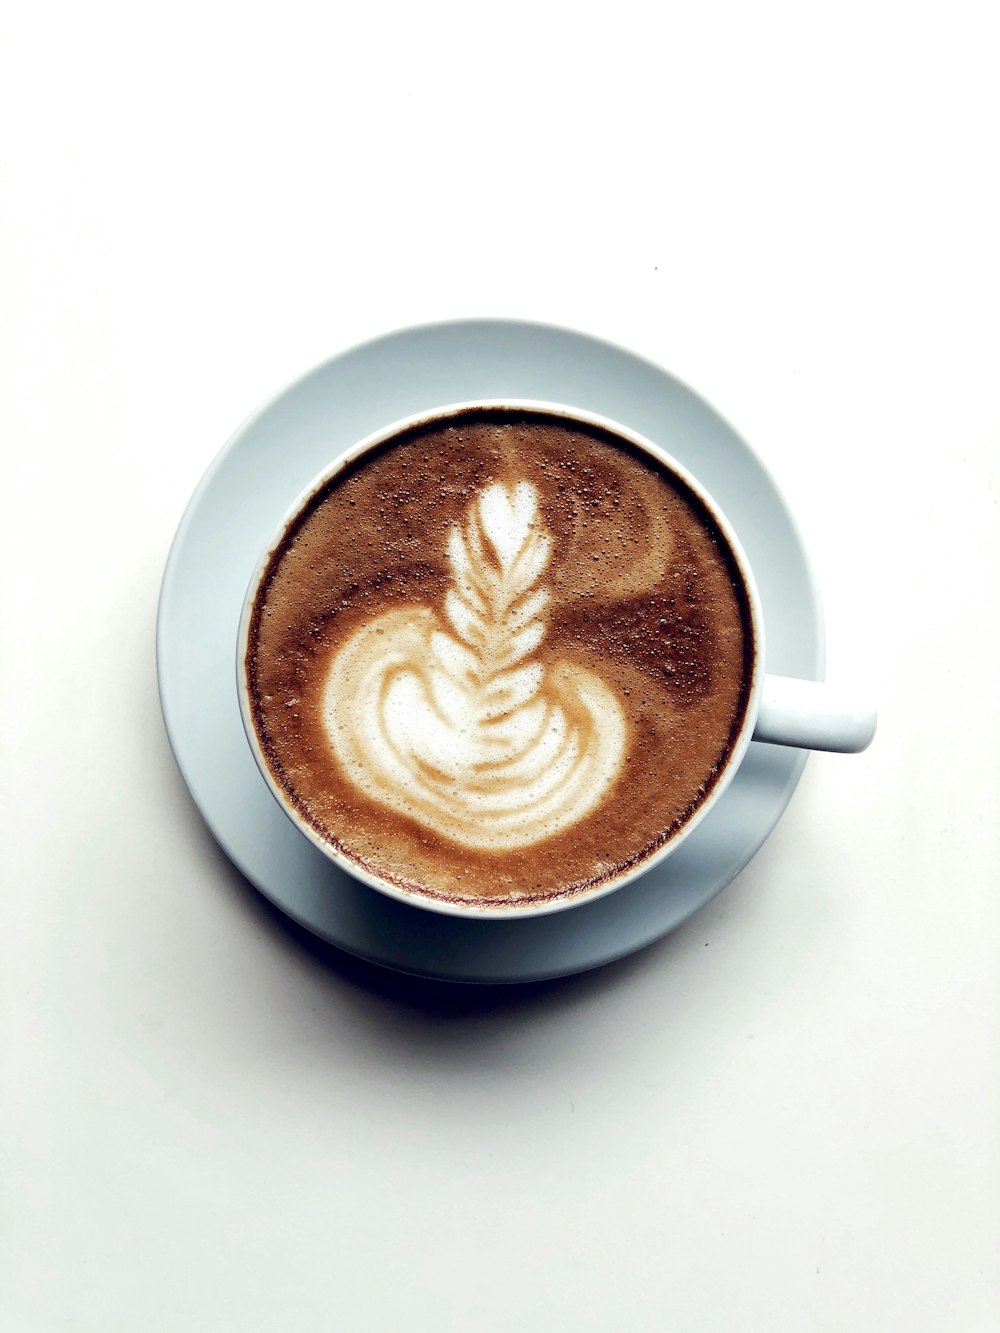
(784, 1116)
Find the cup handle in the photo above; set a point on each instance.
(813, 716)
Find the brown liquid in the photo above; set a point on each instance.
(644, 593)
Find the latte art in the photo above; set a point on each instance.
(449, 720)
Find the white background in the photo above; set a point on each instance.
(783, 1117)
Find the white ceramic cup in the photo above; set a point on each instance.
(780, 710)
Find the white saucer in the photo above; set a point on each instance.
(234, 512)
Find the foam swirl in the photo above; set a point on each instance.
(462, 730)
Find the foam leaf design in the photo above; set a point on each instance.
(493, 604)
(455, 721)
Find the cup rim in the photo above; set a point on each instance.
(559, 902)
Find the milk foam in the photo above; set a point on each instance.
(450, 721)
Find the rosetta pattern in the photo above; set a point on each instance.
(453, 721)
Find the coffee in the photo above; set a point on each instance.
(500, 657)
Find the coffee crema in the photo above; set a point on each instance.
(502, 656)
